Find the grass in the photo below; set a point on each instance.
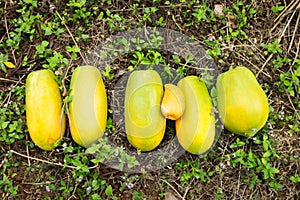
(58, 35)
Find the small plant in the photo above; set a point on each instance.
(272, 48)
(107, 73)
(104, 152)
(192, 170)
(4, 62)
(11, 127)
(203, 13)
(277, 8)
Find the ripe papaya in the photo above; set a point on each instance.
(195, 129)
(242, 103)
(144, 123)
(45, 119)
(88, 107)
(173, 102)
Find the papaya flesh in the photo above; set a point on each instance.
(173, 102)
(195, 129)
(45, 119)
(242, 103)
(144, 123)
(88, 108)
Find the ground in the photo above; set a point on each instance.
(59, 35)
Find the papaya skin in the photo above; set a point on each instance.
(242, 103)
(173, 103)
(195, 129)
(144, 123)
(45, 119)
(88, 108)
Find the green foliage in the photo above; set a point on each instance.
(3, 59)
(192, 170)
(104, 152)
(107, 73)
(11, 126)
(203, 13)
(277, 8)
(289, 81)
(272, 48)
(257, 164)
(6, 183)
(137, 195)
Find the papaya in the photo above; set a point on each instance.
(173, 102)
(144, 123)
(242, 103)
(45, 119)
(88, 107)
(195, 129)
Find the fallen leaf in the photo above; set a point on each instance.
(9, 65)
(218, 10)
(170, 196)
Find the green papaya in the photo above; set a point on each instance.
(88, 107)
(195, 129)
(242, 103)
(45, 119)
(173, 102)
(144, 123)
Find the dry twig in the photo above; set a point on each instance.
(46, 161)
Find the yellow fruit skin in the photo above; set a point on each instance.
(173, 103)
(242, 104)
(88, 108)
(44, 115)
(195, 129)
(144, 123)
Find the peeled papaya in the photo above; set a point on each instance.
(173, 102)
(44, 114)
(195, 129)
(242, 104)
(88, 107)
(144, 123)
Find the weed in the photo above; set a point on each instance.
(10, 126)
(203, 13)
(272, 48)
(3, 59)
(104, 152)
(277, 8)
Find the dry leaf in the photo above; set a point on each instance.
(170, 196)
(218, 10)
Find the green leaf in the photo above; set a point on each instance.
(93, 149)
(295, 179)
(4, 125)
(109, 190)
(267, 154)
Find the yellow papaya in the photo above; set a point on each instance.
(195, 129)
(173, 102)
(144, 123)
(44, 114)
(242, 103)
(88, 107)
